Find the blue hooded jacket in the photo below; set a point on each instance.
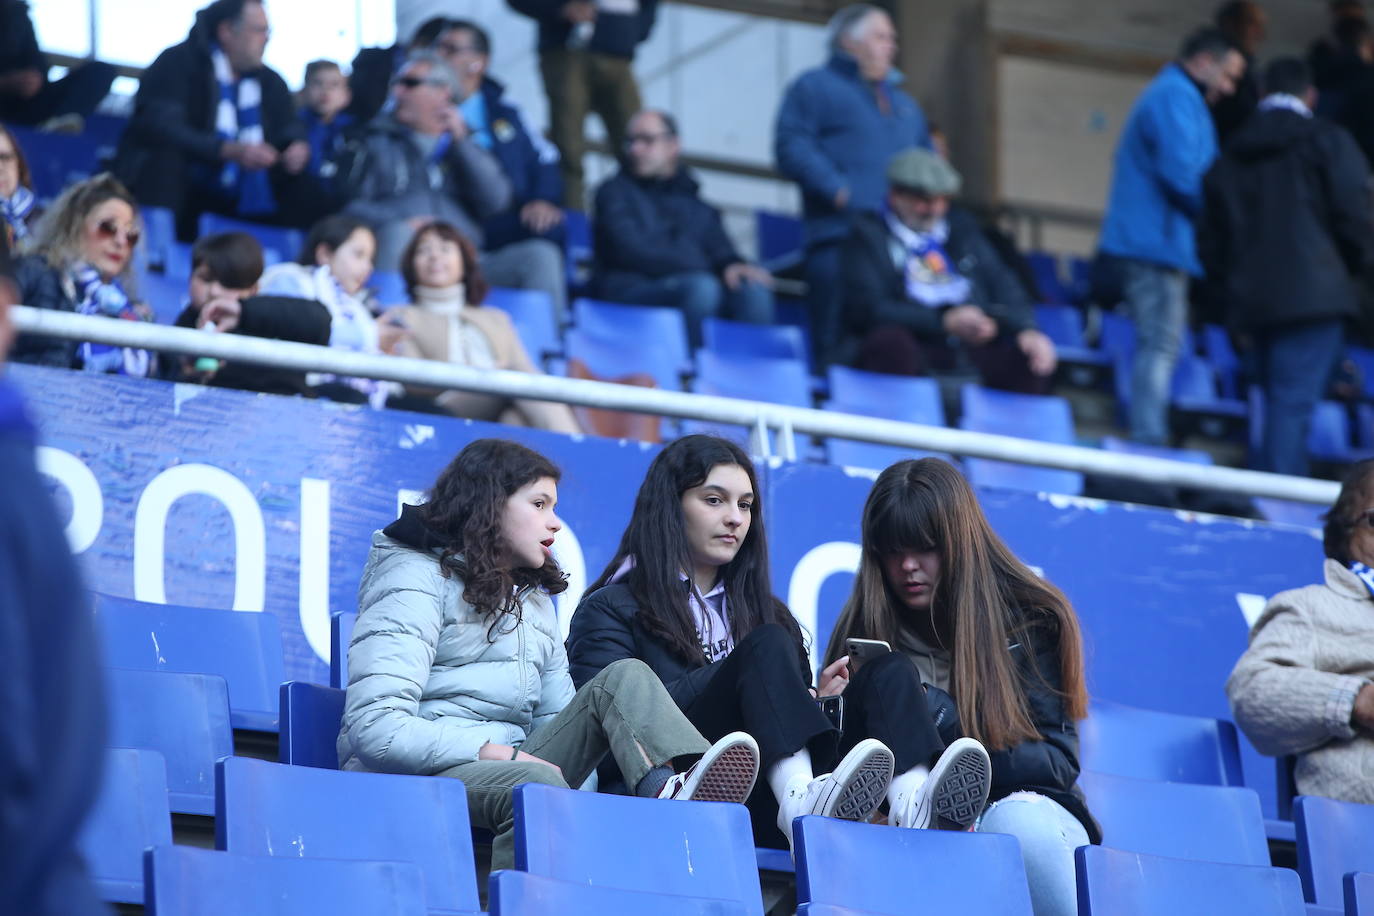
(1167, 145)
(530, 162)
(831, 134)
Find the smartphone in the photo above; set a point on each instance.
(861, 650)
(833, 707)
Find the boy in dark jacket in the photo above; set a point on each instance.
(658, 243)
(328, 126)
(1286, 231)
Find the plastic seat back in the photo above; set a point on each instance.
(855, 454)
(1062, 324)
(635, 325)
(185, 717)
(1127, 447)
(203, 882)
(1123, 740)
(738, 338)
(613, 359)
(531, 312)
(243, 647)
(702, 849)
(389, 286)
(518, 893)
(130, 814)
(778, 381)
(1026, 416)
(340, 637)
(271, 809)
(842, 862)
(916, 400)
(310, 719)
(1334, 839)
(1359, 894)
(278, 243)
(1208, 823)
(1116, 883)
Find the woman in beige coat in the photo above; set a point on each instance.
(448, 323)
(1306, 684)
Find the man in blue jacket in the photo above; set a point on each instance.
(1166, 147)
(523, 245)
(586, 53)
(838, 128)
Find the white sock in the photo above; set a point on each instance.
(785, 770)
(907, 784)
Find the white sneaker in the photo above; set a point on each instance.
(852, 792)
(954, 793)
(725, 773)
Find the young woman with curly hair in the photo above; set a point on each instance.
(457, 667)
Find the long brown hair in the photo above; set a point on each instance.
(988, 597)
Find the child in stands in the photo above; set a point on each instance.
(328, 127)
(1000, 650)
(688, 592)
(457, 667)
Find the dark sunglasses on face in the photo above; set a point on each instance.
(410, 82)
(108, 229)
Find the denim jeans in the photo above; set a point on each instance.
(1157, 297)
(699, 295)
(1048, 835)
(824, 298)
(1295, 363)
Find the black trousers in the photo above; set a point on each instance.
(759, 689)
(79, 92)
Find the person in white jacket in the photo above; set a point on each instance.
(457, 666)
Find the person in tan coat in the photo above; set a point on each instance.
(448, 323)
(1306, 684)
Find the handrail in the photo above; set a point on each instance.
(757, 415)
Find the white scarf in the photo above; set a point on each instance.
(467, 344)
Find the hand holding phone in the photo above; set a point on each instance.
(862, 650)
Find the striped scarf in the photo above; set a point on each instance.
(239, 118)
(97, 297)
(16, 209)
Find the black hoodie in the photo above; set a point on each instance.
(1286, 225)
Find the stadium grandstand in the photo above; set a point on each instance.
(271, 268)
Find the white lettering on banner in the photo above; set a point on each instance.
(88, 502)
(314, 576)
(567, 550)
(150, 532)
(1251, 606)
(804, 591)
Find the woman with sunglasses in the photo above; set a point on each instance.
(1305, 687)
(79, 261)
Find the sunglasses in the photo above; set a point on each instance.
(108, 229)
(412, 82)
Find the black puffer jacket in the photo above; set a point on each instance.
(1286, 224)
(40, 286)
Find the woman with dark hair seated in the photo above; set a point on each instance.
(457, 668)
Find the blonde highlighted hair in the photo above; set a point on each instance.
(59, 234)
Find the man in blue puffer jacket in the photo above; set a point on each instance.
(1166, 147)
(838, 128)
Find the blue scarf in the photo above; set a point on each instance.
(928, 274)
(96, 297)
(16, 209)
(1364, 574)
(326, 141)
(239, 117)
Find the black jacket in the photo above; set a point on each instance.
(18, 44)
(615, 35)
(873, 265)
(1287, 222)
(173, 124)
(369, 80)
(650, 227)
(277, 318)
(40, 286)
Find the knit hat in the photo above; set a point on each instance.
(919, 169)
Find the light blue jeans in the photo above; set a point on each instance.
(1157, 297)
(1048, 834)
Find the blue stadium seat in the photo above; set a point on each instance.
(1080, 278)
(185, 717)
(1308, 515)
(130, 814)
(531, 312)
(518, 893)
(854, 454)
(775, 341)
(1194, 391)
(778, 381)
(613, 359)
(278, 244)
(341, 625)
(1123, 740)
(1216, 347)
(577, 247)
(161, 250)
(779, 236)
(203, 882)
(55, 160)
(310, 719)
(1364, 425)
(1116, 883)
(390, 287)
(687, 849)
(916, 400)
(1335, 838)
(858, 865)
(1363, 358)
(1118, 334)
(166, 294)
(1329, 439)
(635, 325)
(1127, 447)
(270, 809)
(1359, 894)
(242, 647)
(1027, 416)
(831, 909)
(1209, 823)
(1045, 268)
(1062, 324)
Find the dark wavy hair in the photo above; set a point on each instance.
(1341, 518)
(331, 232)
(465, 509)
(657, 540)
(474, 281)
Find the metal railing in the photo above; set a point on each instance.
(760, 417)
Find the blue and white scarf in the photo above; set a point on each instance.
(16, 209)
(931, 278)
(238, 117)
(1364, 574)
(1285, 102)
(97, 297)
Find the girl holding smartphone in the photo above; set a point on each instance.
(688, 593)
(1001, 644)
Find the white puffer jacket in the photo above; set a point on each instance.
(426, 686)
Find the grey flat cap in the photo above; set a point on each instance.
(919, 169)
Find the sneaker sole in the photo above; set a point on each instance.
(727, 777)
(959, 790)
(859, 783)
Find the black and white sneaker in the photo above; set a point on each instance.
(954, 793)
(725, 773)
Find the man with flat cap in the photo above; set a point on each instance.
(924, 287)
